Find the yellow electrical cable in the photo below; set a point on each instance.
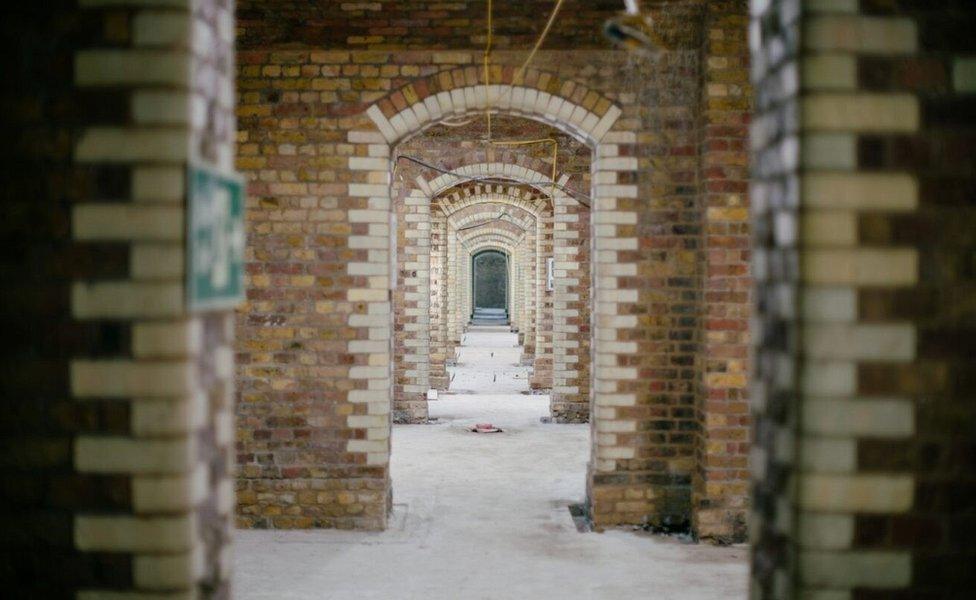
(515, 80)
(538, 43)
(487, 58)
(525, 64)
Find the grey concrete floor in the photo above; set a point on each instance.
(484, 516)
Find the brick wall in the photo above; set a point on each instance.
(319, 117)
(390, 24)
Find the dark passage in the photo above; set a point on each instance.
(490, 280)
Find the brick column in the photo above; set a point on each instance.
(514, 288)
(454, 331)
(439, 348)
(522, 282)
(529, 291)
(570, 397)
(154, 451)
(720, 488)
(843, 372)
(464, 288)
(617, 491)
(542, 365)
(411, 340)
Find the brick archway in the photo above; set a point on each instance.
(580, 112)
(520, 249)
(424, 339)
(424, 342)
(564, 104)
(558, 338)
(455, 189)
(446, 316)
(489, 239)
(480, 242)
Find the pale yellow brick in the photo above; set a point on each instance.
(867, 113)
(882, 493)
(133, 534)
(101, 454)
(861, 34)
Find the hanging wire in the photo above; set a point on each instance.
(487, 58)
(517, 79)
(519, 75)
(538, 43)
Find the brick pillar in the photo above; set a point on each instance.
(582, 294)
(411, 325)
(542, 366)
(617, 492)
(515, 287)
(438, 301)
(529, 289)
(511, 301)
(523, 283)
(864, 178)
(177, 380)
(570, 314)
(118, 400)
(316, 338)
(720, 488)
(532, 290)
(453, 292)
(464, 287)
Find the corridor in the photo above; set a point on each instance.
(485, 515)
(707, 265)
(488, 363)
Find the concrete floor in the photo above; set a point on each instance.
(484, 516)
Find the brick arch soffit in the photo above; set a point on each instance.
(483, 229)
(454, 202)
(503, 160)
(489, 212)
(470, 222)
(542, 96)
(515, 234)
(471, 244)
(487, 203)
(515, 173)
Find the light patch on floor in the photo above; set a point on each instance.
(485, 516)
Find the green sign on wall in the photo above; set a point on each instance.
(215, 239)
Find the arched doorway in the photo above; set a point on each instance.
(570, 337)
(489, 283)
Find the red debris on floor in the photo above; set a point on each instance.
(485, 428)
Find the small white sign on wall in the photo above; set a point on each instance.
(550, 282)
